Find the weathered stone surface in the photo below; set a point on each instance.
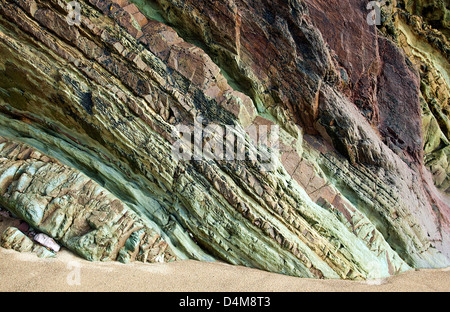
(14, 239)
(435, 13)
(428, 52)
(70, 207)
(348, 197)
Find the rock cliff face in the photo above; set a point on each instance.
(356, 187)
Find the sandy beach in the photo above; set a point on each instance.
(25, 272)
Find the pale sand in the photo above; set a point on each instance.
(27, 272)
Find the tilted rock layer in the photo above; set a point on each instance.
(359, 188)
(74, 209)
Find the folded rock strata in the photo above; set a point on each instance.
(73, 209)
(350, 195)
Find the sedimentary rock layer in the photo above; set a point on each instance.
(13, 238)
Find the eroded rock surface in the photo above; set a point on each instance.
(13, 238)
(350, 195)
(72, 209)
